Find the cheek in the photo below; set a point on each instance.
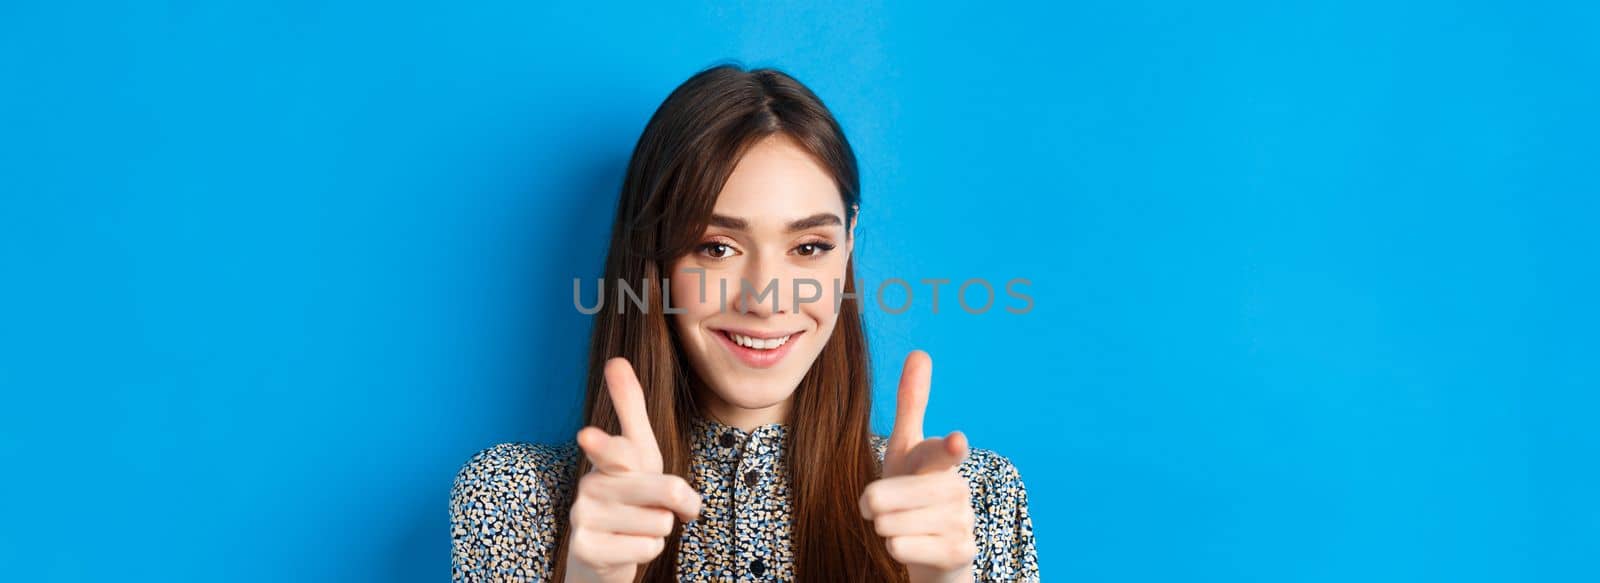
(832, 280)
(687, 289)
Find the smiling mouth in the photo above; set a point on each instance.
(756, 342)
(757, 351)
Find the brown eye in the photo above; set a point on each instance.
(716, 250)
(811, 249)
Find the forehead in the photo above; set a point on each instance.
(777, 181)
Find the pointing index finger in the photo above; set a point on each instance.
(912, 401)
(628, 398)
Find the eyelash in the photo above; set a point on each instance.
(820, 248)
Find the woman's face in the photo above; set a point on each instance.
(777, 225)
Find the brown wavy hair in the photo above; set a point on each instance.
(678, 168)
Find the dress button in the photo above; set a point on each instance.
(757, 567)
(727, 439)
(751, 477)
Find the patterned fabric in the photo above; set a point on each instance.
(508, 500)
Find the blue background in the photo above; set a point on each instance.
(1314, 285)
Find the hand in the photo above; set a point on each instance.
(922, 505)
(624, 506)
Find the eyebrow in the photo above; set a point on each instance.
(811, 222)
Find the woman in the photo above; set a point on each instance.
(729, 434)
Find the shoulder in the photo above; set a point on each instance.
(505, 509)
(516, 468)
(994, 473)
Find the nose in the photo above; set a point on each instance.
(762, 290)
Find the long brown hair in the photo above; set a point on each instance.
(685, 155)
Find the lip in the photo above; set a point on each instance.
(755, 333)
(750, 356)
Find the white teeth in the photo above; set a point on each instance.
(758, 343)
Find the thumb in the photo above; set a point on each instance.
(611, 454)
(936, 454)
(912, 401)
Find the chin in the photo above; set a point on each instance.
(756, 391)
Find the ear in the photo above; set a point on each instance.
(855, 219)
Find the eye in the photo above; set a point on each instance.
(716, 250)
(815, 248)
